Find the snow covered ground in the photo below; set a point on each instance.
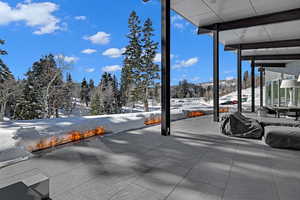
(246, 94)
(17, 136)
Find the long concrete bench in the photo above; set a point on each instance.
(36, 187)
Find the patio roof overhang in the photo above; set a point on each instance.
(260, 64)
(263, 45)
(243, 21)
(261, 31)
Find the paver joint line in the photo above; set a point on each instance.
(185, 175)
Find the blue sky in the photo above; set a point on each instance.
(91, 35)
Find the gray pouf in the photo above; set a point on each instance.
(282, 137)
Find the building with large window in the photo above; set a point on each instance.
(274, 93)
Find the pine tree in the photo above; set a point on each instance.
(96, 104)
(106, 98)
(91, 89)
(125, 85)
(246, 80)
(84, 93)
(149, 71)
(139, 71)
(157, 92)
(5, 73)
(68, 94)
(132, 61)
(69, 78)
(117, 96)
(29, 105)
(91, 84)
(8, 88)
(42, 91)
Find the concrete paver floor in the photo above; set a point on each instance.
(196, 162)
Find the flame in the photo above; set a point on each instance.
(195, 114)
(152, 121)
(223, 110)
(53, 141)
(69, 137)
(99, 131)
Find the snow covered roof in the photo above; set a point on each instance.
(207, 12)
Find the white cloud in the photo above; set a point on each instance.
(194, 31)
(89, 51)
(37, 15)
(178, 22)
(67, 59)
(196, 78)
(80, 18)
(179, 25)
(89, 70)
(99, 38)
(228, 71)
(111, 68)
(186, 63)
(114, 52)
(71, 59)
(229, 78)
(157, 58)
(176, 18)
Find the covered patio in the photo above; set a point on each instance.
(195, 161)
(190, 164)
(266, 33)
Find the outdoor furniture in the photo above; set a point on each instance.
(34, 187)
(18, 191)
(280, 110)
(237, 125)
(282, 137)
(290, 84)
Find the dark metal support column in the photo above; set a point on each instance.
(165, 71)
(239, 80)
(252, 85)
(216, 75)
(261, 72)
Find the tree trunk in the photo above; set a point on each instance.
(146, 104)
(2, 111)
(56, 113)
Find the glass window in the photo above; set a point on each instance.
(268, 93)
(275, 93)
